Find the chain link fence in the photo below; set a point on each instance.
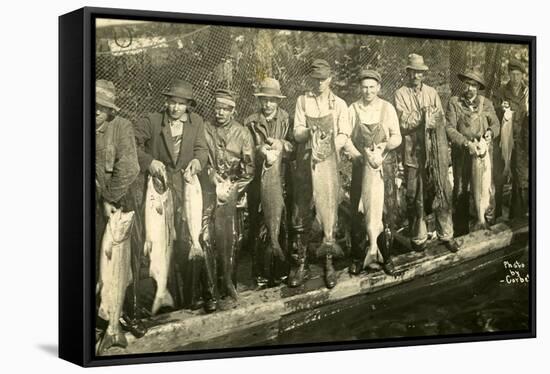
(141, 59)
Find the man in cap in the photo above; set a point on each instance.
(172, 146)
(116, 168)
(319, 107)
(512, 159)
(425, 157)
(271, 130)
(230, 170)
(469, 116)
(375, 124)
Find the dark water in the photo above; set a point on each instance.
(473, 303)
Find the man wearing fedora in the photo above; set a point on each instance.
(374, 122)
(512, 102)
(229, 172)
(116, 168)
(268, 124)
(425, 157)
(171, 146)
(319, 106)
(469, 116)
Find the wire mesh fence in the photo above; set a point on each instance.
(143, 58)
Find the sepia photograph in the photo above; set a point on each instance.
(272, 187)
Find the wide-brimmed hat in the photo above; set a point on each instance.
(416, 62)
(473, 75)
(226, 97)
(269, 87)
(370, 74)
(105, 94)
(515, 64)
(320, 69)
(181, 89)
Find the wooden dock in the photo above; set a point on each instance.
(279, 310)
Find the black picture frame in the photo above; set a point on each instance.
(76, 198)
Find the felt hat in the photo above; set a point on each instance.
(269, 87)
(320, 69)
(181, 89)
(416, 62)
(473, 75)
(105, 94)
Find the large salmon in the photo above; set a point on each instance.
(192, 203)
(115, 276)
(372, 202)
(326, 190)
(159, 238)
(272, 198)
(225, 238)
(507, 140)
(482, 186)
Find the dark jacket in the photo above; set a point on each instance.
(231, 153)
(116, 164)
(154, 142)
(465, 124)
(279, 127)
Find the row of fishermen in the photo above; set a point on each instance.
(273, 156)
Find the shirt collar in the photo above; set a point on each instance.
(474, 103)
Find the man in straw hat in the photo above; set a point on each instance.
(172, 146)
(469, 116)
(512, 159)
(425, 157)
(230, 170)
(272, 132)
(375, 125)
(116, 168)
(319, 108)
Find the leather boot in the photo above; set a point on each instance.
(299, 271)
(330, 274)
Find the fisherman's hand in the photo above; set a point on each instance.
(340, 141)
(263, 149)
(429, 118)
(158, 169)
(488, 136)
(191, 170)
(215, 178)
(108, 208)
(301, 134)
(471, 148)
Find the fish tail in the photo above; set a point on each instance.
(163, 299)
(329, 248)
(373, 257)
(195, 251)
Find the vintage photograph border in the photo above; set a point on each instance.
(76, 198)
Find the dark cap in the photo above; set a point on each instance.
(181, 89)
(225, 97)
(370, 74)
(515, 64)
(473, 75)
(320, 69)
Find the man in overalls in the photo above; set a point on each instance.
(513, 103)
(268, 124)
(319, 106)
(171, 144)
(116, 168)
(374, 121)
(230, 170)
(425, 157)
(469, 116)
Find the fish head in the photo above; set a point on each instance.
(159, 185)
(121, 224)
(481, 147)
